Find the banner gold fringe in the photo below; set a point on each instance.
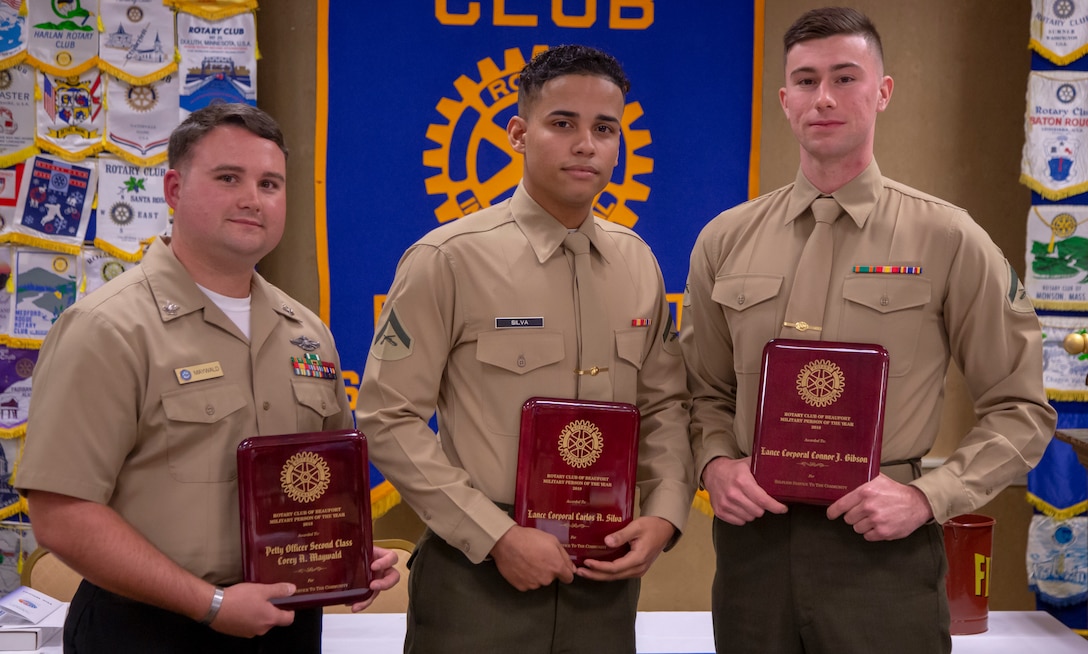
(9, 160)
(212, 11)
(1061, 60)
(132, 79)
(14, 432)
(14, 509)
(23, 343)
(39, 242)
(118, 253)
(383, 497)
(74, 157)
(1050, 194)
(1067, 396)
(13, 60)
(138, 161)
(1053, 511)
(1059, 305)
(702, 502)
(56, 71)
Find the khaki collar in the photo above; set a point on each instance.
(545, 234)
(857, 197)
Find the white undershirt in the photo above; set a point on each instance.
(236, 308)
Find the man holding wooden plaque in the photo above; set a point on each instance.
(532, 297)
(845, 255)
(143, 392)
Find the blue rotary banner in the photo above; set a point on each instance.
(416, 102)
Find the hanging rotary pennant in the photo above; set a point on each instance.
(131, 207)
(140, 119)
(1065, 364)
(7, 290)
(137, 45)
(1059, 30)
(54, 204)
(12, 33)
(16, 115)
(71, 121)
(45, 284)
(213, 9)
(1056, 134)
(98, 268)
(1057, 257)
(63, 36)
(16, 368)
(218, 60)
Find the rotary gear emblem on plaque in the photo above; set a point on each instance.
(820, 383)
(476, 165)
(580, 444)
(305, 477)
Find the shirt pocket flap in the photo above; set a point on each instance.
(739, 292)
(520, 352)
(887, 293)
(317, 395)
(629, 345)
(203, 404)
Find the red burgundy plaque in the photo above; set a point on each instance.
(305, 508)
(819, 419)
(576, 472)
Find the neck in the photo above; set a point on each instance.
(830, 176)
(232, 283)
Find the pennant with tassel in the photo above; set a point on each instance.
(17, 115)
(1059, 30)
(140, 119)
(71, 118)
(213, 9)
(45, 285)
(218, 60)
(63, 36)
(13, 33)
(1057, 257)
(131, 207)
(138, 42)
(1054, 162)
(98, 268)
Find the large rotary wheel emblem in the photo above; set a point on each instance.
(580, 444)
(820, 383)
(305, 477)
(477, 166)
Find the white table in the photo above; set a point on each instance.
(671, 632)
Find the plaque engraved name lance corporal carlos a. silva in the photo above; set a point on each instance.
(819, 418)
(576, 472)
(305, 511)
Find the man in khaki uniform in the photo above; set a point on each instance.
(908, 271)
(481, 317)
(145, 388)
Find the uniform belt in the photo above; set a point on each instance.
(903, 472)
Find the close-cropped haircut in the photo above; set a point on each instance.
(567, 60)
(833, 21)
(186, 135)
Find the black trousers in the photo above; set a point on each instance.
(458, 607)
(101, 621)
(799, 583)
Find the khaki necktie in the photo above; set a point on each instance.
(805, 310)
(594, 351)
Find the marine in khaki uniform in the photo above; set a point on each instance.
(908, 271)
(482, 316)
(142, 393)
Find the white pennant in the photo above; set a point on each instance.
(131, 207)
(140, 119)
(17, 117)
(71, 119)
(138, 42)
(218, 60)
(63, 38)
(1055, 159)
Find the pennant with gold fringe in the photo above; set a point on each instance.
(1057, 257)
(17, 114)
(1063, 372)
(1059, 30)
(213, 9)
(140, 119)
(16, 369)
(1054, 132)
(1057, 547)
(218, 60)
(137, 45)
(45, 285)
(63, 36)
(10, 179)
(7, 292)
(98, 268)
(12, 33)
(54, 205)
(131, 207)
(17, 542)
(71, 119)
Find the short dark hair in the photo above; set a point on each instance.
(200, 122)
(567, 60)
(833, 21)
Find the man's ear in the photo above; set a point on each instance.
(515, 131)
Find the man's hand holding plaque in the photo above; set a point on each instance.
(305, 512)
(576, 473)
(819, 419)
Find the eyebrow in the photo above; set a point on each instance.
(834, 68)
(574, 114)
(232, 168)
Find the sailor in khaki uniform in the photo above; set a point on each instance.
(482, 316)
(908, 271)
(145, 388)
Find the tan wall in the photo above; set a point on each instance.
(954, 128)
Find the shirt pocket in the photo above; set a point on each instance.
(204, 426)
(315, 400)
(747, 301)
(628, 361)
(513, 363)
(889, 310)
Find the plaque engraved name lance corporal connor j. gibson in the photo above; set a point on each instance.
(305, 511)
(576, 472)
(819, 418)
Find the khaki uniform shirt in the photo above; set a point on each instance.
(438, 346)
(966, 304)
(110, 421)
